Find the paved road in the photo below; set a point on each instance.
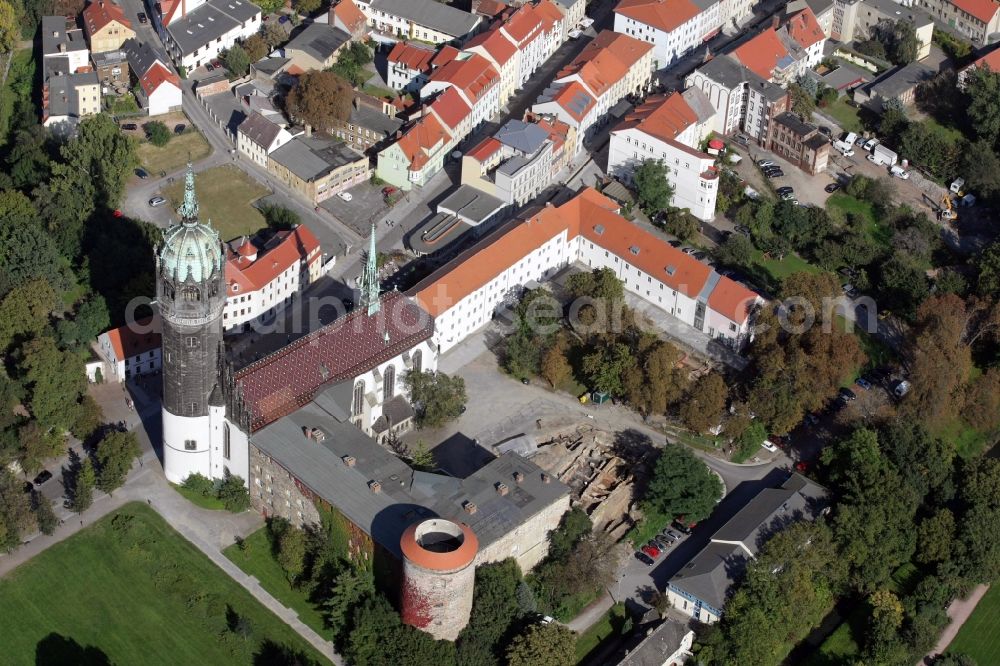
(958, 612)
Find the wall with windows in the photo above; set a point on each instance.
(380, 384)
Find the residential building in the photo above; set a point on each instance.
(408, 66)
(669, 129)
(66, 98)
(347, 16)
(514, 165)
(799, 142)
(976, 20)
(195, 32)
(257, 137)
(62, 39)
(498, 49)
(426, 20)
(417, 154)
(853, 20)
(475, 80)
(823, 10)
(703, 585)
(899, 83)
(264, 276)
(743, 101)
(159, 90)
(667, 645)
(317, 46)
(990, 61)
(318, 168)
(106, 26)
(111, 67)
(463, 295)
(370, 126)
(131, 350)
(784, 53)
(608, 69)
(573, 11)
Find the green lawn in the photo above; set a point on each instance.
(979, 637)
(845, 115)
(879, 233)
(132, 590)
(772, 271)
(225, 195)
(377, 91)
(610, 624)
(189, 146)
(969, 442)
(198, 499)
(949, 134)
(258, 561)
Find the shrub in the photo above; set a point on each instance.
(199, 483)
(157, 133)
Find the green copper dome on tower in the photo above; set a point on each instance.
(191, 251)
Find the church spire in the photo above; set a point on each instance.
(189, 209)
(369, 279)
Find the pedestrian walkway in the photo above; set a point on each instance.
(958, 612)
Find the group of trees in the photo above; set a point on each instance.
(892, 41)
(437, 398)
(231, 491)
(680, 485)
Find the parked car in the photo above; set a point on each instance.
(661, 543)
(870, 144)
(775, 174)
(670, 535)
(847, 395)
(863, 383)
(142, 173)
(130, 127)
(689, 250)
(860, 141)
(142, 18)
(209, 67)
(28, 486)
(179, 128)
(769, 445)
(743, 230)
(765, 163)
(644, 558)
(44, 476)
(682, 525)
(787, 196)
(700, 255)
(784, 188)
(346, 196)
(872, 159)
(651, 550)
(901, 389)
(831, 188)
(157, 201)
(675, 243)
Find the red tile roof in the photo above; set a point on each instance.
(156, 75)
(445, 55)
(524, 25)
(664, 15)
(606, 60)
(500, 48)
(990, 60)
(413, 57)
(474, 76)
(126, 343)
(983, 10)
(664, 117)
(485, 149)
(804, 28)
(349, 14)
(102, 12)
(761, 54)
(421, 138)
(595, 217)
(290, 378)
(450, 108)
(491, 8)
(549, 13)
(253, 268)
(575, 100)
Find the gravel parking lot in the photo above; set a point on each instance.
(808, 189)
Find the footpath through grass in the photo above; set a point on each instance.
(131, 590)
(609, 625)
(256, 559)
(225, 197)
(979, 637)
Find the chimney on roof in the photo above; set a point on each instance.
(470, 507)
(375, 486)
(309, 130)
(399, 135)
(518, 477)
(62, 47)
(350, 461)
(502, 489)
(315, 434)
(775, 21)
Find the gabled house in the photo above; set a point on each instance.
(416, 155)
(195, 32)
(106, 26)
(160, 90)
(317, 47)
(426, 20)
(257, 137)
(408, 66)
(62, 39)
(475, 80)
(347, 16)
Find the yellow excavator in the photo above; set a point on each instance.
(948, 211)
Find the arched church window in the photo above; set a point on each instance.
(225, 441)
(357, 404)
(389, 385)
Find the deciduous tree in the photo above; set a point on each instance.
(320, 99)
(256, 47)
(543, 645)
(157, 133)
(437, 397)
(83, 486)
(705, 403)
(234, 494)
(292, 552)
(237, 61)
(44, 515)
(115, 454)
(681, 484)
(653, 190)
(15, 511)
(53, 393)
(555, 368)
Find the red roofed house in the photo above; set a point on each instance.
(130, 350)
(262, 278)
(106, 26)
(979, 20)
(416, 155)
(408, 66)
(763, 54)
(803, 28)
(347, 16)
(990, 61)
(676, 27)
(160, 90)
(608, 69)
(670, 129)
(475, 79)
(463, 294)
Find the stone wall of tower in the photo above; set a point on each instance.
(438, 602)
(192, 337)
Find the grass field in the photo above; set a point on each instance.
(256, 559)
(968, 441)
(188, 146)
(198, 499)
(979, 637)
(845, 115)
(225, 195)
(132, 590)
(611, 623)
(772, 271)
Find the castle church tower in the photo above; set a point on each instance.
(190, 291)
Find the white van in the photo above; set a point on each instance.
(870, 144)
(899, 172)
